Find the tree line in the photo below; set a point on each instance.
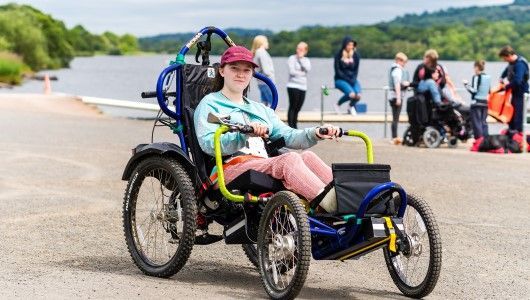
(33, 40)
(455, 41)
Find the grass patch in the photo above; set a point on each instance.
(11, 68)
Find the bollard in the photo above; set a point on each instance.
(47, 85)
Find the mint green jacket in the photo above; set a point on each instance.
(231, 142)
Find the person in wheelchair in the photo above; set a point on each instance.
(303, 173)
(447, 110)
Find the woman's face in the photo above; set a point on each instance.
(349, 46)
(237, 76)
(301, 50)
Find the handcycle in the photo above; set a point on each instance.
(172, 197)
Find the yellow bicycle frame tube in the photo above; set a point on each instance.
(220, 172)
(367, 142)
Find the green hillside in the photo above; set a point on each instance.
(518, 12)
(33, 40)
(457, 33)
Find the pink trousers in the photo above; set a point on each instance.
(303, 173)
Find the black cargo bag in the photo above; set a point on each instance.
(353, 181)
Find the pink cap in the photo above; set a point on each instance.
(237, 53)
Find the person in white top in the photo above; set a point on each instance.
(398, 81)
(265, 66)
(299, 65)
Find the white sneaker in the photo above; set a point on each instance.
(337, 108)
(352, 111)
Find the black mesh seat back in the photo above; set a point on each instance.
(197, 82)
(203, 162)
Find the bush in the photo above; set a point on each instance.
(11, 68)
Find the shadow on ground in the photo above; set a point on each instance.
(244, 280)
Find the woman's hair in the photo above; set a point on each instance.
(432, 56)
(219, 81)
(480, 64)
(258, 42)
(401, 56)
(303, 44)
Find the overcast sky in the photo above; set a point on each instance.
(151, 17)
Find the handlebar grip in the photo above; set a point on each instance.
(246, 129)
(324, 131)
(152, 94)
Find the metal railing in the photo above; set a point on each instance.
(324, 91)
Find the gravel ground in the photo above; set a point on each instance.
(61, 232)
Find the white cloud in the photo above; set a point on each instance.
(142, 17)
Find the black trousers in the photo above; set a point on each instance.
(396, 111)
(478, 120)
(518, 114)
(296, 100)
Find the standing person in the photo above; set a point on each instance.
(299, 65)
(346, 67)
(265, 66)
(479, 90)
(303, 173)
(516, 77)
(398, 81)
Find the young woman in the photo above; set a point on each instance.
(264, 64)
(299, 66)
(346, 66)
(303, 173)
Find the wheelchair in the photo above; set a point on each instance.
(171, 198)
(433, 125)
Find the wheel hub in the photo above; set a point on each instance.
(282, 246)
(415, 247)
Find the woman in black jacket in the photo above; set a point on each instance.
(346, 69)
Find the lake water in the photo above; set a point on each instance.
(124, 77)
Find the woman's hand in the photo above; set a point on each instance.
(333, 132)
(260, 130)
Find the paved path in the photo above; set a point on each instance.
(61, 232)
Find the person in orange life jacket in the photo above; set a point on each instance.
(346, 65)
(303, 173)
(516, 77)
